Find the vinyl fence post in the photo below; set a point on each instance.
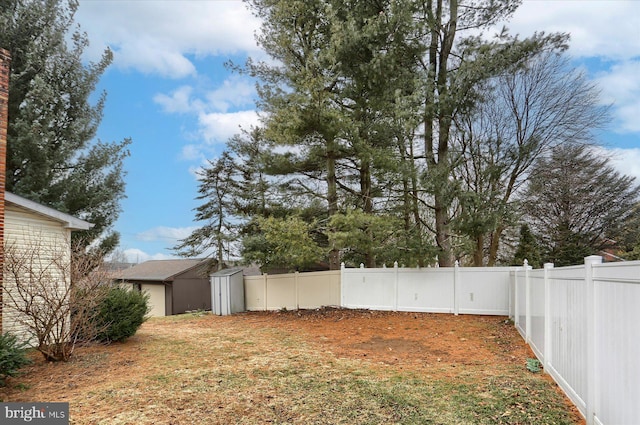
(592, 313)
(342, 286)
(516, 304)
(456, 288)
(264, 285)
(527, 303)
(395, 289)
(296, 281)
(547, 316)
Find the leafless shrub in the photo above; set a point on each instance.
(52, 294)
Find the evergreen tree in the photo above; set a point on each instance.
(577, 204)
(218, 188)
(341, 73)
(528, 249)
(52, 157)
(283, 243)
(296, 93)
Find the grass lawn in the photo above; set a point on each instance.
(328, 366)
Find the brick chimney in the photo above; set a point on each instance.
(5, 71)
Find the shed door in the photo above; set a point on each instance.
(221, 296)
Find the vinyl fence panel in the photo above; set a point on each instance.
(589, 340)
(483, 290)
(292, 291)
(428, 290)
(373, 289)
(535, 317)
(468, 290)
(617, 343)
(568, 327)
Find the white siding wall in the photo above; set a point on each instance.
(26, 232)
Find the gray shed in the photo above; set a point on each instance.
(227, 292)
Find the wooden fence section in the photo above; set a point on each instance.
(582, 323)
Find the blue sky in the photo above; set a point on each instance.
(169, 91)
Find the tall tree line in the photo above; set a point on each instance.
(397, 131)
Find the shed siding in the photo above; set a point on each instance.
(27, 232)
(191, 294)
(191, 291)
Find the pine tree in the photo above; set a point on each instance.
(218, 189)
(577, 204)
(52, 156)
(528, 249)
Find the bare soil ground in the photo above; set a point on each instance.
(324, 366)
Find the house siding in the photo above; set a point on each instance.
(156, 298)
(26, 232)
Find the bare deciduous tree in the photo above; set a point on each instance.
(524, 115)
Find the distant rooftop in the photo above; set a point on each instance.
(163, 270)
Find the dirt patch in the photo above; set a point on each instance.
(412, 339)
(308, 366)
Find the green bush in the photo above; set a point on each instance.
(13, 355)
(121, 314)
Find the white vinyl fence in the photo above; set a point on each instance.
(457, 290)
(583, 322)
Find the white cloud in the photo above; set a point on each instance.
(215, 123)
(219, 127)
(178, 101)
(234, 92)
(598, 28)
(151, 56)
(157, 36)
(163, 233)
(621, 87)
(135, 255)
(627, 161)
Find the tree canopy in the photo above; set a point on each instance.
(398, 131)
(52, 155)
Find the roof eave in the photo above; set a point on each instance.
(69, 222)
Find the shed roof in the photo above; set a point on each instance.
(227, 272)
(159, 270)
(69, 221)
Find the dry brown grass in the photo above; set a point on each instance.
(310, 367)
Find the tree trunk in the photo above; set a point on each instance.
(332, 200)
(478, 252)
(495, 244)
